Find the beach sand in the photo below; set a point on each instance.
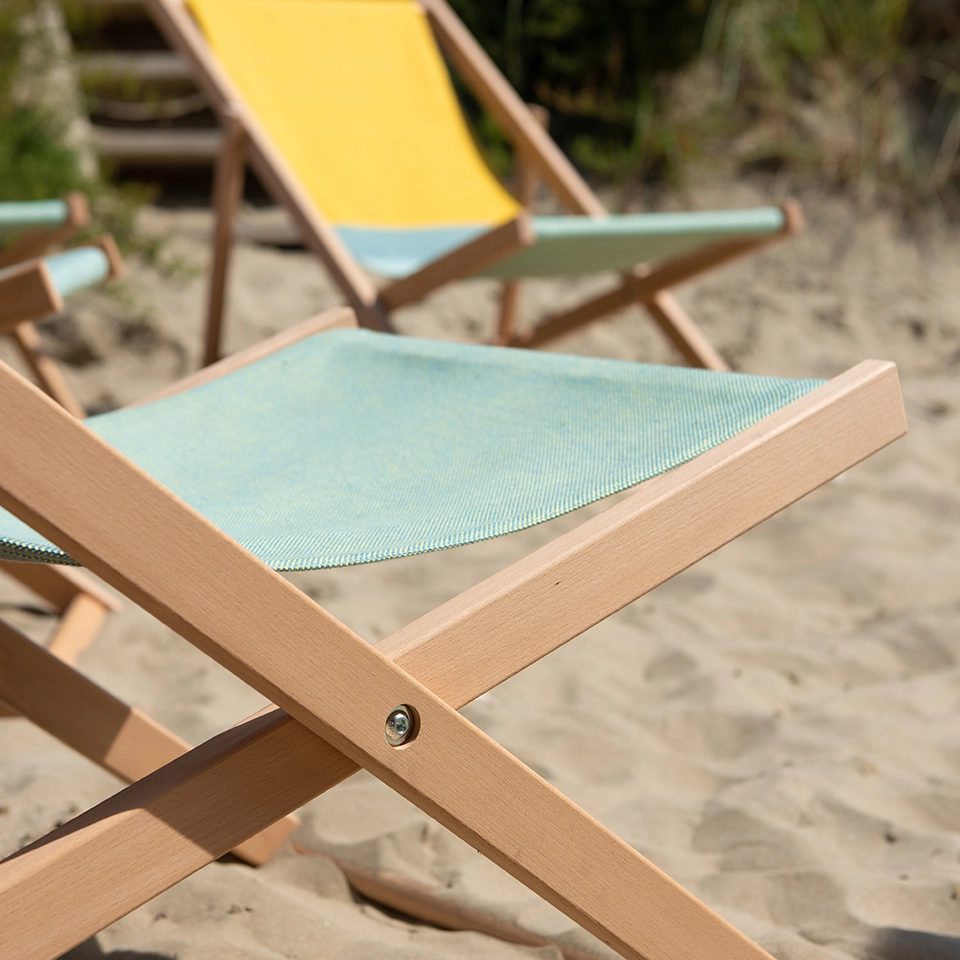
(778, 728)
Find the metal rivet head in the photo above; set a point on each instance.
(400, 726)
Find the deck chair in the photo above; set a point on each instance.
(34, 290)
(338, 446)
(347, 113)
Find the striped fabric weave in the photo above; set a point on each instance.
(353, 446)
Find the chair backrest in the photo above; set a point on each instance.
(357, 98)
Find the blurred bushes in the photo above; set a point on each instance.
(598, 67)
(861, 94)
(44, 148)
(36, 158)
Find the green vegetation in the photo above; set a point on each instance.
(861, 94)
(35, 159)
(40, 156)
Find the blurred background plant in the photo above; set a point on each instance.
(861, 96)
(45, 148)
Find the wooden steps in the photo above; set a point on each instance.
(144, 106)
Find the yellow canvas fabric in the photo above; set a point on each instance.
(356, 97)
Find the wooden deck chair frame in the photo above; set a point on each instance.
(28, 296)
(246, 139)
(40, 684)
(334, 691)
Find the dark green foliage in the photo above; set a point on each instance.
(861, 94)
(596, 66)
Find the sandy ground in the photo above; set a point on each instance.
(778, 727)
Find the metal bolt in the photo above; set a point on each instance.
(400, 725)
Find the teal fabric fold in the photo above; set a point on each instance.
(77, 269)
(31, 214)
(353, 446)
(565, 245)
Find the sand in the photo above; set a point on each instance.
(778, 728)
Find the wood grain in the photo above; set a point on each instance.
(27, 292)
(50, 693)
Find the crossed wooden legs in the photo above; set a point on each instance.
(651, 289)
(337, 691)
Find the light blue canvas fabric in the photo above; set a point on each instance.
(74, 269)
(77, 269)
(22, 215)
(353, 446)
(564, 245)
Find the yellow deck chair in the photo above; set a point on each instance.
(347, 113)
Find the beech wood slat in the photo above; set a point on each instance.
(650, 287)
(78, 628)
(47, 371)
(27, 293)
(843, 421)
(42, 687)
(58, 585)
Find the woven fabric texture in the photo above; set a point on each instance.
(353, 446)
(565, 245)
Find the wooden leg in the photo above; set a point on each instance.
(509, 312)
(465, 261)
(227, 190)
(525, 190)
(45, 368)
(683, 333)
(126, 742)
(58, 585)
(78, 628)
(564, 323)
(650, 287)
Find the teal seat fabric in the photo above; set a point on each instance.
(77, 269)
(353, 446)
(74, 269)
(30, 214)
(564, 246)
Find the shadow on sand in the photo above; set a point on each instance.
(90, 950)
